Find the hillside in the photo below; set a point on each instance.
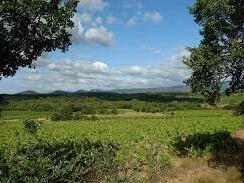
(28, 92)
(174, 89)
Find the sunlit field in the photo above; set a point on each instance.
(147, 144)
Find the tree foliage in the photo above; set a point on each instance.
(220, 55)
(28, 28)
(3, 103)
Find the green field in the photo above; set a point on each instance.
(148, 143)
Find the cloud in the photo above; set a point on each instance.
(77, 31)
(132, 22)
(96, 74)
(100, 67)
(86, 18)
(93, 34)
(133, 70)
(98, 21)
(96, 5)
(150, 17)
(131, 4)
(111, 20)
(153, 17)
(34, 77)
(99, 36)
(152, 51)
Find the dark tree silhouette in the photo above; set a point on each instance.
(28, 28)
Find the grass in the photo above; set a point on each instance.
(21, 115)
(133, 134)
(147, 142)
(234, 99)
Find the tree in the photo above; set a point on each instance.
(28, 28)
(3, 102)
(220, 55)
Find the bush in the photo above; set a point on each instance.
(3, 103)
(199, 143)
(67, 161)
(88, 109)
(166, 159)
(239, 110)
(56, 117)
(114, 112)
(79, 116)
(93, 118)
(103, 111)
(63, 114)
(31, 126)
(230, 107)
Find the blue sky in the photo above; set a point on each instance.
(117, 44)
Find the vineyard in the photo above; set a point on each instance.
(116, 145)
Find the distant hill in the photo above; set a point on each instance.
(98, 90)
(28, 92)
(174, 89)
(60, 92)
(81, 91)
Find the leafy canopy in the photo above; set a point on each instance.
(28, 28)
(220, 55)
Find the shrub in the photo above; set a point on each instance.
(103, 111)
(230, 107)
(166, 159)
(88, 109)
(239, 110)
(114, 112)
(199, 143)
(78, 116)
(67, 161)
(56, 117)
(3, 103)
(64, 113)
(93, 118)
(31, 126)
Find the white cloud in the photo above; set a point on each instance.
(86, 18)
(99, 36)
(132, 22)
(85, 67)
(86, 74)
(78, 30)
(97, 5)
(111, 20)
(34, 77)
(152, 51)
(133, 70)
(100, 67)
(131, 4)
(153, 17)
(98, 21)
(95, 34)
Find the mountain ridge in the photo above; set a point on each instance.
(118, 91)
